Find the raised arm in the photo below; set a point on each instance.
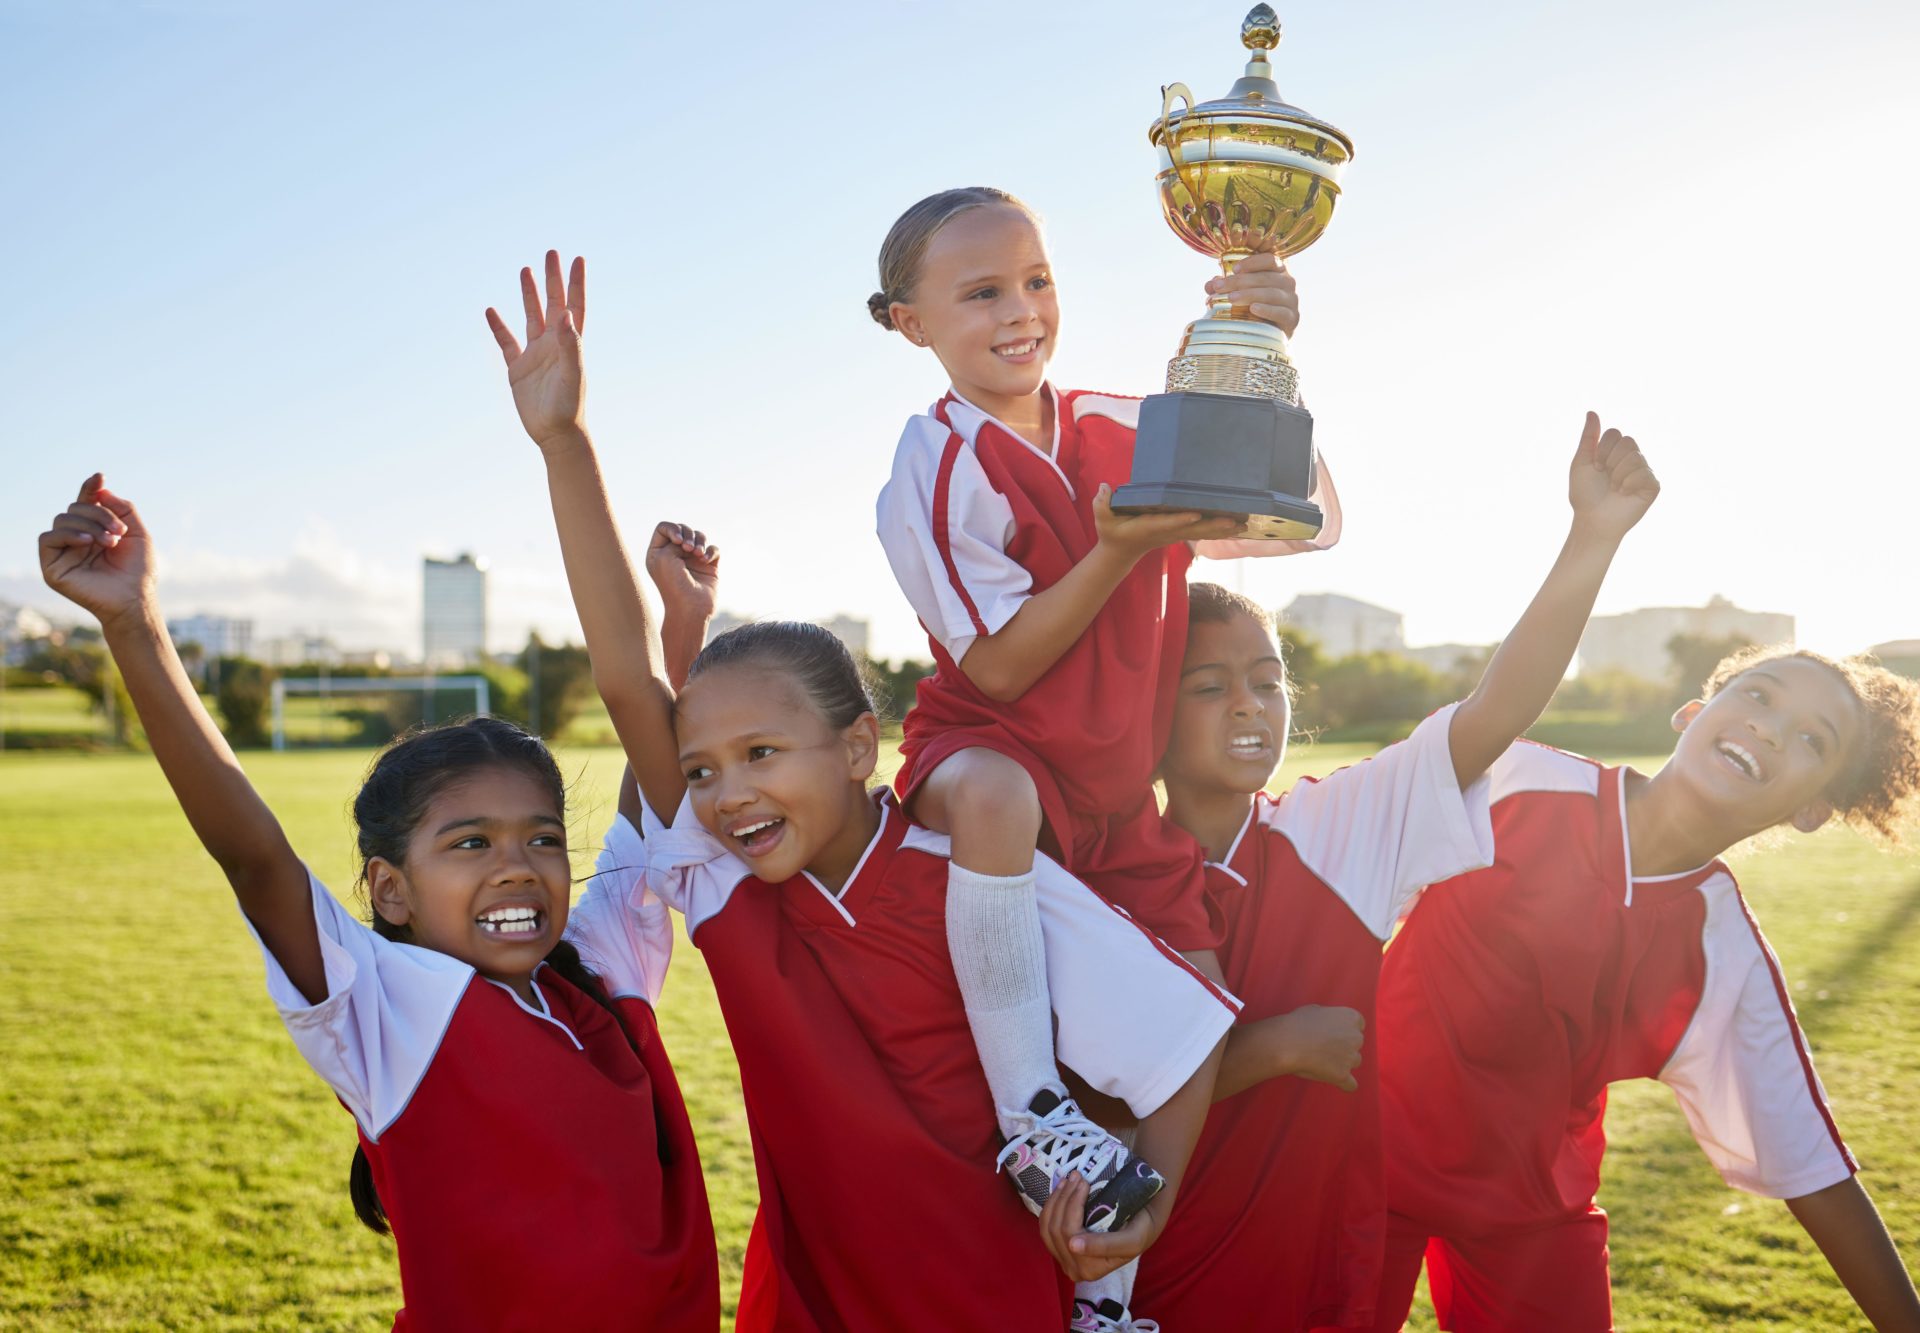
(1610, 487)
(1006, 664)
(685, 569)
(1843, 1222)
(548, 391)
(99, 556)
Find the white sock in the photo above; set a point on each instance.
(1000, 961)
(1115, 1286)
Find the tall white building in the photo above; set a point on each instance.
(1636, 641)
(218, 636)
(453, 611)
(1346, 626)
(853, 632)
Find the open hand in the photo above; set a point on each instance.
(686, 570)
(1610, 485)
(1321, 1042)
(1261, 286)
(98, 555)
(1133, 535)
(548, 383)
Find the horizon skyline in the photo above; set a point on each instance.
(63, 616)
(268, 237)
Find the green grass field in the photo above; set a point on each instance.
(170, 1162)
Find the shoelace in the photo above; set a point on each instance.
(1077, 1144)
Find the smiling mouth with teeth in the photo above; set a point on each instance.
(1017, 349)
(1741, 758)
(512, 921)
(753, 834)
(1247, 746)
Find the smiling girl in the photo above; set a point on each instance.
(1056, 627)
(818, 907)
(1611, 942)
(521, 1132)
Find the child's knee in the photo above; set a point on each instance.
(993, 796)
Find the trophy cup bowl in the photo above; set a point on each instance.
(1246, 174)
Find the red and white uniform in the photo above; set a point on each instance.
(873, 1130)
(1509, 1001)
(1281, 1223)
(975, 520)
(536, 1171)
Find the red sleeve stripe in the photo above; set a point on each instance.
(940, 520)
(1172, 955)
(1799, 1038)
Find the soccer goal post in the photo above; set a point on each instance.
(325, 687)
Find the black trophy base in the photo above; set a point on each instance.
(1223, 454)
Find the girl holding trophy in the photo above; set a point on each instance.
(1056, 626)
(817, 906)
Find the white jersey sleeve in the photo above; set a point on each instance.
(1379, 831)
(1742, 1072)
(946, 530)
(686, 867)
(386, 1009)
(620, 927)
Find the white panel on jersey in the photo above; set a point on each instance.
(1379, 831)
(1527, 766)
(1742, 1071)
(387, 1007)
(1126, 411)
(1135, 1020)
(688, 868)
(621, 928)
(978, 529)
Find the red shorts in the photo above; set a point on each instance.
(1136, 859)
(1549, 1279)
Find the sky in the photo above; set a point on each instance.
(250, 245)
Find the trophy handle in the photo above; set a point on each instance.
(1168, 92)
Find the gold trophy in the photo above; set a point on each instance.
(1244, 175)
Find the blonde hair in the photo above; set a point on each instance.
(907, 241)
(1876, 789)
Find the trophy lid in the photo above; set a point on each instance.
(1254, 96)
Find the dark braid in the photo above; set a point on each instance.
(403, 782)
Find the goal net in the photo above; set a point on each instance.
(319, 710)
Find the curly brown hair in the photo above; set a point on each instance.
(1877, 789)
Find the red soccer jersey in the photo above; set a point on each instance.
(1514, 995)
(537, 1172)
(873, 1131)
(975, 520)
(1281, 1219)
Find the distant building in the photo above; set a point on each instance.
(218, 636)
(1346, 626)
(285, 650)
(853, 632)
(723, 621)
(1446, 658)
(1636, 642)
(453, 611)
(1901, 655)
(850, 631)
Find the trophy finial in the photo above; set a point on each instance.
(1261, 29)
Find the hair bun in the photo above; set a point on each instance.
(877, 307)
